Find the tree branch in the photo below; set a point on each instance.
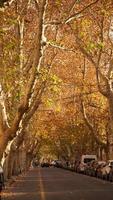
(95, 64)
(91, 128)
(73, 16)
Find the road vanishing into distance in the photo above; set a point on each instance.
(58, 184)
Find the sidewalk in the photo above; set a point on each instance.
(19, 187)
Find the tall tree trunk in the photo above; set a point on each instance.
(3, 144)
(110, 136)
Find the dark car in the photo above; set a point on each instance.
(45, 164)
(88, 168)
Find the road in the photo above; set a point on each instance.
(58, 184)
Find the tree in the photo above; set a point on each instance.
(96, 46)
(8, 133)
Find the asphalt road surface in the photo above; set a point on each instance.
(58, 184)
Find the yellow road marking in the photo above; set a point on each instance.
(42, 193)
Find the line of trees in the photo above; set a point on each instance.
(55, 56)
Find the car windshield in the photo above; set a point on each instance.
(87, 160)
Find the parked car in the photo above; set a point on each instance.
(91, 167)
(83, 162)
(96, 166)
(53, 163)
(99, 173)
(106, 170)
(110, 174)
(87, 169)
(57, 163)
(110, 162)
(45, 164)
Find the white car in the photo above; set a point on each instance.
(110, 162)
(105, 171)
(84, 160)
